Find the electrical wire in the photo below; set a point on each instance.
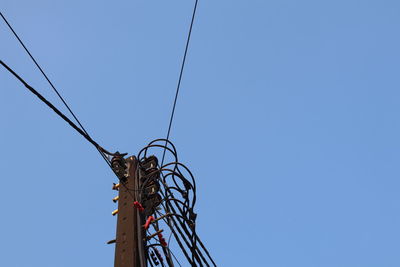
(50, 83)
(65, 118)
(43, 73)
(178, 208)
(180, 76)
(82, 129)
(158, 245)
(58, 112)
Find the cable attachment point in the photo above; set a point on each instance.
(162, 240)
(118, 164)
(148, 222)
(115, 186)
(192, 215)
(153, 235)
(138, 206)
(111, 241)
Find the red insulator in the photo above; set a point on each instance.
(138, 206)
(148, 221)
(162, 240)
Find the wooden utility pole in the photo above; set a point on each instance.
(129, 249)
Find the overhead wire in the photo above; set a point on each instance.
(66, 119)
(194, 236)
(50, 83)
(57, 111)
(180, 76)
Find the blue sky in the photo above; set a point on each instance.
(288, 116)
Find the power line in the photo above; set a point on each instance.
(48, 80)
(101, 150)
(58, 112)
(180, 77)
(44, 74)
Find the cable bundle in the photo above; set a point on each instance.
(168, 196)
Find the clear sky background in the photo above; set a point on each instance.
(288, 116)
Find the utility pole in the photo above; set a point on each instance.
(148, 209)
(129, 246)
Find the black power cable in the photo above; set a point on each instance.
(41, 70)
(51, 84)
(180, 77)
(58, 112)
(176, 210)
(101, 150)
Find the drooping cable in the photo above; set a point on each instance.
(180, 77)
(177, 189)
(50, 83)
(44, 74)
(58, 112)
(65, 118)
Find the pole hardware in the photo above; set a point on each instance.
(115, 199)
(115, 186)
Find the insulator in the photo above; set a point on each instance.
(115, 199)
(148, 169)
(152, 188)
(118, 165)
(114, 212)
(151, 203)
(149, 164)
(111, 241)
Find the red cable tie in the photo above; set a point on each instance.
(138, 206)
(162, 240)
(148, 221)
